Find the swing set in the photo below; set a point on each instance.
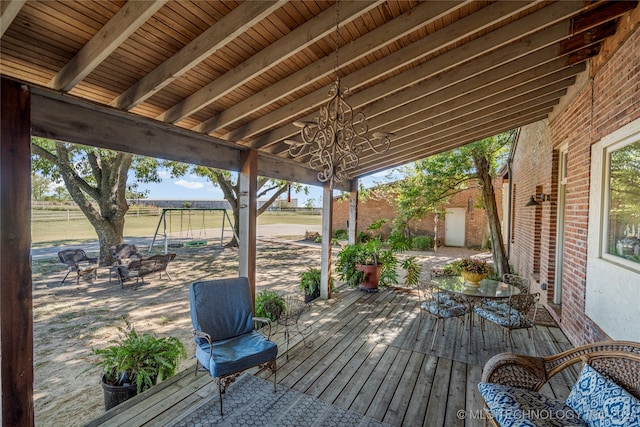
(185, 236)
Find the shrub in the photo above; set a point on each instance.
(269, 304)
(422, 243)
(340, 234)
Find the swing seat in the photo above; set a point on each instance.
(195, 243)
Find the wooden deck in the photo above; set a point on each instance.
(365, 358)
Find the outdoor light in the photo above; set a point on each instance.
(336, 137)
(532, 202)
(543, 198)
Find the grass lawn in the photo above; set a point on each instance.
(45, 233)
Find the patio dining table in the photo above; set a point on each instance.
(488, 289)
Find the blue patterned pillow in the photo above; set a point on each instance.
(601, 402)
(516, 407)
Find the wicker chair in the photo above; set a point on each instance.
(78, 261)
(618, 361)
(441, 306)
(511, 315)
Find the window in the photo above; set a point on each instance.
(622, 204)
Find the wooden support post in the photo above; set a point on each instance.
(247, 200)
(16, 297)
(353, 212)
(327, 232)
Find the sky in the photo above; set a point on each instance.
(193, 187)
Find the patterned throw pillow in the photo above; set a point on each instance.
(601, 402)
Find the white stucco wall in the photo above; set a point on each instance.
(612, 297)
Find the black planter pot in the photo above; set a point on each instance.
(116, 394)
(310, 297)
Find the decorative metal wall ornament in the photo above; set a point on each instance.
(336, 137)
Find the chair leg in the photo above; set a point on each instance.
(484, 347)
(220, 392)
(435, 333)
(65, 277)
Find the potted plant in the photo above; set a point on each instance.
(269, 304)
(310, 283)
(367, 265)
(135, 363)
(474, 270)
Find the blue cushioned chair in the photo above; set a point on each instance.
(223, 322)
(441, 306)
(510, 316)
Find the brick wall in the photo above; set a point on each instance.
(606, 98)
(376, 208)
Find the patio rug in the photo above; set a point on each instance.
(251, 401)
(543, 318)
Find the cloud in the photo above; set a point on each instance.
(191, 185)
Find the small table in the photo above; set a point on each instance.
(489, 289)
(290, 319)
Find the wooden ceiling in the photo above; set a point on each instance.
(437, 74)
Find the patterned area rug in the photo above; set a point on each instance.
(251, 401)
(543, 318)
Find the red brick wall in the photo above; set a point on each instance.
(375, 209)
(608, 99)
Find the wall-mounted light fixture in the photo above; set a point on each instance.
(543, 198)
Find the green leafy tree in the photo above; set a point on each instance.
(39, 187)
(230, 186)
(430, 183)
(96, 179)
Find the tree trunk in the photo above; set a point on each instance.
(485, 180)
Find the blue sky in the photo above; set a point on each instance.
(193, 187)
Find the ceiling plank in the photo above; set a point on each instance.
(477, 133)
(225, 30)
(503, 38)
(352, 52)
(128, 19)
(424, 145)
(283, 48)
(8, 12)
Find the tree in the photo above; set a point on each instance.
(96, 179)
(228, 183)
(430, 183)
(39, 186)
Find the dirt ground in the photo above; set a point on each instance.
(70, 319)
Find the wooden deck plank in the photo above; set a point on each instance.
(474, 402)
(390, 385)
(436, 408)
(402, 396)
(456, 395)
(416, 411)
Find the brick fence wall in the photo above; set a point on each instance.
(375, 208)
(606, 98)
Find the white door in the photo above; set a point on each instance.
(454, 223)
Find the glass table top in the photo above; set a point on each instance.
(488, 288)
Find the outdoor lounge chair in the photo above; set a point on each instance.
(124, 252)
(223, 322)
(78, 261)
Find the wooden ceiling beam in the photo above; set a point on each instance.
(285, 47)
(217, 36)
(473, 134)
(65, 118)
(416, 18)
(505, 44)
(602, 12)
(124, 23)
(9, 9)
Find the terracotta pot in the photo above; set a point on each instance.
(371, 277)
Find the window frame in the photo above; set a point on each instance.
(606, 197)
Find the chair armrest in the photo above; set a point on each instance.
(516, 370)
(206, 336)
(264, 321)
